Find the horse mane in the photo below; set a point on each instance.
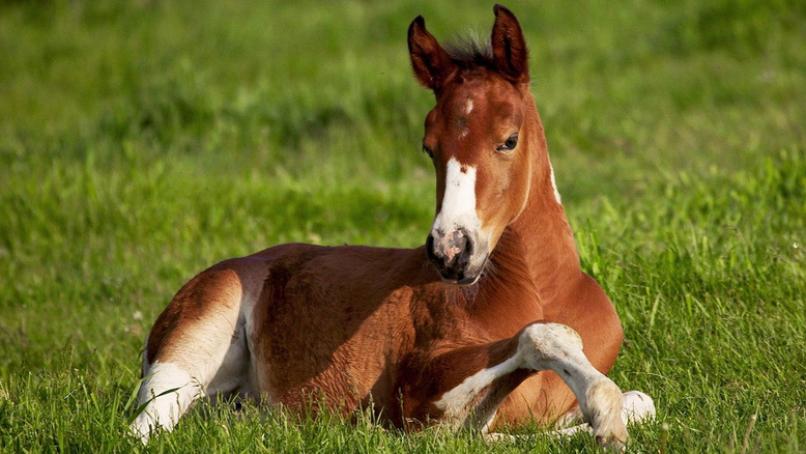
(470, 51)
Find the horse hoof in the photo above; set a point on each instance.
(604, 405)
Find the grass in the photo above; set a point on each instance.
(142, 141)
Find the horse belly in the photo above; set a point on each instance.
(309, 349)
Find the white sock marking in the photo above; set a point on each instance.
(169, 391)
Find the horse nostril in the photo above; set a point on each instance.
(464, 256)
(468, 245)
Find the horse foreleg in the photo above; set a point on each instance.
(540, 346)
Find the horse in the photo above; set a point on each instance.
(491, 324)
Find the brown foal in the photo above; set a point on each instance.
(491, 323)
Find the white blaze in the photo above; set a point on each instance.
(459, 201)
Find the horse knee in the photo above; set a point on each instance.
(540, 343)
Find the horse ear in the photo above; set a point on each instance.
(432, 65)
(509, 47)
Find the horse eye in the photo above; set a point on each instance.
(510, 143)
(428, 151)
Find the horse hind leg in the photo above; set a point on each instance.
(197, 348)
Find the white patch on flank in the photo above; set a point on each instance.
(168, 390)
(468, 106)
(459, 201)
(554, 185)
(456, 402)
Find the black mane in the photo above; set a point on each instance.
(469, 52)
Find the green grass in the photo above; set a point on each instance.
(142, 141)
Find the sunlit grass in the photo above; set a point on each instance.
(143, 141)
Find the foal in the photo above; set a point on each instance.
(490, 324)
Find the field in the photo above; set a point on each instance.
(142, 141)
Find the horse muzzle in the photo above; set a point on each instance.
(456, 255)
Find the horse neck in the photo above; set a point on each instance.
(538, 245)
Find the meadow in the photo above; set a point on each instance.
(142, 141)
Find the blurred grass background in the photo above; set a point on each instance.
(141, 141)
